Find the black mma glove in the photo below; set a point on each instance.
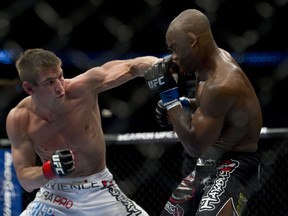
(161, 115)
(61, 164)
(161, 111)
(159, 78)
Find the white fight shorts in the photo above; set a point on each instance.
(95, 195)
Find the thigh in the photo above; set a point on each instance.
(48, 203)
(186, 197)
(111, 201)
(84, 200)
(229, 189)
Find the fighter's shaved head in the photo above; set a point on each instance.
(192, 21)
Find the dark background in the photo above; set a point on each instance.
(88, 33)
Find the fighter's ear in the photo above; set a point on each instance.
(28, 88)
(194, 38)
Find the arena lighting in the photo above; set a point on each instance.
(249, 58)
(6, 57)
(261, 58)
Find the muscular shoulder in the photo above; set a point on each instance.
(19, 114)
(222, 86)
(85, 82)
(17, 120)
(229, 79)
(222, 92)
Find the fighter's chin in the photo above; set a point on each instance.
(186, 71)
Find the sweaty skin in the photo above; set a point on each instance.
(227, 115)
(64, 113)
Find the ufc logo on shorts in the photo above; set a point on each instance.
(156, 82)
(57, 164)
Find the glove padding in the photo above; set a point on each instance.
(161, 112)
(159, 77)
(61, 164)
(161, 115)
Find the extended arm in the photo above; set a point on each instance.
(114, 73)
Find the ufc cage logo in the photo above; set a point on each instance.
(57, 164)
(155, 83)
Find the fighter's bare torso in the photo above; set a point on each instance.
(77, 127)
(239, 133)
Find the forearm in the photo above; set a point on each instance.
(118, 72)
(193, 104)
(32, 178)
(61, 164)
(181, 122)
(141, 64)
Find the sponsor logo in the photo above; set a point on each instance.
(225, 168)
(174, 210)
(155, 83)
(70, 187)
(57, 165)
(8, 189)
(130, 206)
(58, 200)
(39, 209)
(185, 190)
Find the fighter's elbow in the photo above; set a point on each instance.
(192, 149)
(28, 184)
(28, 188)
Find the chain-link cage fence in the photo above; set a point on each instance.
(88, 33)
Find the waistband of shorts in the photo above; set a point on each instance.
(104, 175)
(233, 154)
(204, 161)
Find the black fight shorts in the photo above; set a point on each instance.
(206, 190)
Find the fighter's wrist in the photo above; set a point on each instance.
(173, 104)
(170, 95)
(47, 170)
